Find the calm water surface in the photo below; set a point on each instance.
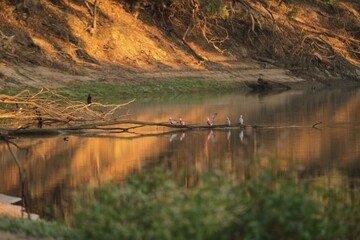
(56, 169)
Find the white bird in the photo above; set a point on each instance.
(241, 120)
(228, 122)
(172, 121)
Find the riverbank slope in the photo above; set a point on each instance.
(55, 44)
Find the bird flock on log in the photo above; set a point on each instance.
(209, 120)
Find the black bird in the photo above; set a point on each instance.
(89, 99)
(40, 122)
(39, 118)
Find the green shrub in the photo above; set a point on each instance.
(215, 8)
(215, 206)
(279, 209)
(38, 228)
(155, 206)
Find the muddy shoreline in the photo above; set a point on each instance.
(29, 76)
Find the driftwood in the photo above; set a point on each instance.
(49, 108)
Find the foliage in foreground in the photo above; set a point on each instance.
(156, 207)
(215, 206)
(35, 228)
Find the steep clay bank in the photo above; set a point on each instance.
(49, 44)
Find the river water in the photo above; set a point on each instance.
(57, 167)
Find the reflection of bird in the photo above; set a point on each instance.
(209, 122)
(182, 122)
(241, 120)
(172, 121)
(211, 136)
(228, 122)
(89, 99)
(228, 135)
(182, 136)
(172, 137)
(241, 135)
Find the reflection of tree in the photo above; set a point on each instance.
(41, 175)
(55, 168)
(22, 176)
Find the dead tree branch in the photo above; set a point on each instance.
(47, 107)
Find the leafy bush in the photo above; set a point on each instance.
(38, 228)
(215, 206)
(278, 209)
(154, 206)
(215, 8)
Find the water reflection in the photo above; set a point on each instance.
(57, 167)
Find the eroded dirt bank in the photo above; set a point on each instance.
(52, 43)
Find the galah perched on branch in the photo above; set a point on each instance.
(209, 122)
(172, 121)
(182, 122)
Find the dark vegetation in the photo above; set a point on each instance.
(160, 205)
(215, 206)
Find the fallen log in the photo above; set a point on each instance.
(264, 85)
(117, 127)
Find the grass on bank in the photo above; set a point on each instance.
(114, 93)
(125, 91)
(158, 206)
(38, 228)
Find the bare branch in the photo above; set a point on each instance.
(48, 107)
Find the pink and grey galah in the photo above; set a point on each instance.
(182, 122)
(172, 121)
(209, 122)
